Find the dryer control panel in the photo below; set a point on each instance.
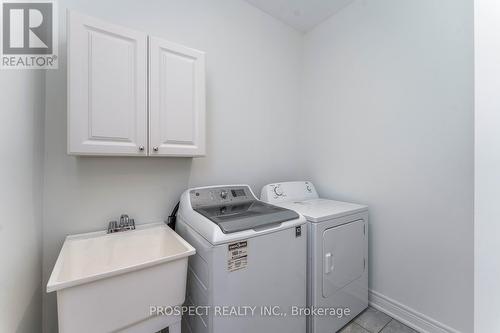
(288, 191)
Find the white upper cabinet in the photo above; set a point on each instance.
(110, 98)
(176, 100)
(107, 88)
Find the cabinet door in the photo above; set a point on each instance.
(107, 88)
(176, 100)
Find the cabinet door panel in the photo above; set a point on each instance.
(107, 88)
(177, 100)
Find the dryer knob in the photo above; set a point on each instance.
(278, 191)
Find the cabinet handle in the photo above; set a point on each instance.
(155, 148)
(141, 148)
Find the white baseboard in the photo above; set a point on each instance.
(407, 316)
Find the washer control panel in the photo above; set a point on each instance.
(219, 196)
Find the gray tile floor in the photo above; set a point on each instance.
(374, 321)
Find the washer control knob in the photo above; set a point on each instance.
(223, 194)
(278, 191)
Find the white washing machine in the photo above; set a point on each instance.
(248, 254)
(337, 272)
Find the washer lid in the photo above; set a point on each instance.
(318, 210)
(246, 215)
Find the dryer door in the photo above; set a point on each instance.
(343, 256)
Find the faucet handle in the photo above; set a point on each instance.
(112, 227)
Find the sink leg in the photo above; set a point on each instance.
(175, 328)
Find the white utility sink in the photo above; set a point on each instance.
(108, 282)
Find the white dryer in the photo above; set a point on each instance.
(249, 254)
(337, 269)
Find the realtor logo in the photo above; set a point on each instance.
(29, 38)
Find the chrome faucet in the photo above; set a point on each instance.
(126, 223)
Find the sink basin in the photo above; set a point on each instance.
(108, 282)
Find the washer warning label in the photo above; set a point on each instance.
(237, 256)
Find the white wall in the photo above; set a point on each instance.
(388, 121)
(21, 126)
(253, 92)
(487, 168)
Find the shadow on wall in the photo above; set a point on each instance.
(111, 184)
(116, 167)
(32, 315)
